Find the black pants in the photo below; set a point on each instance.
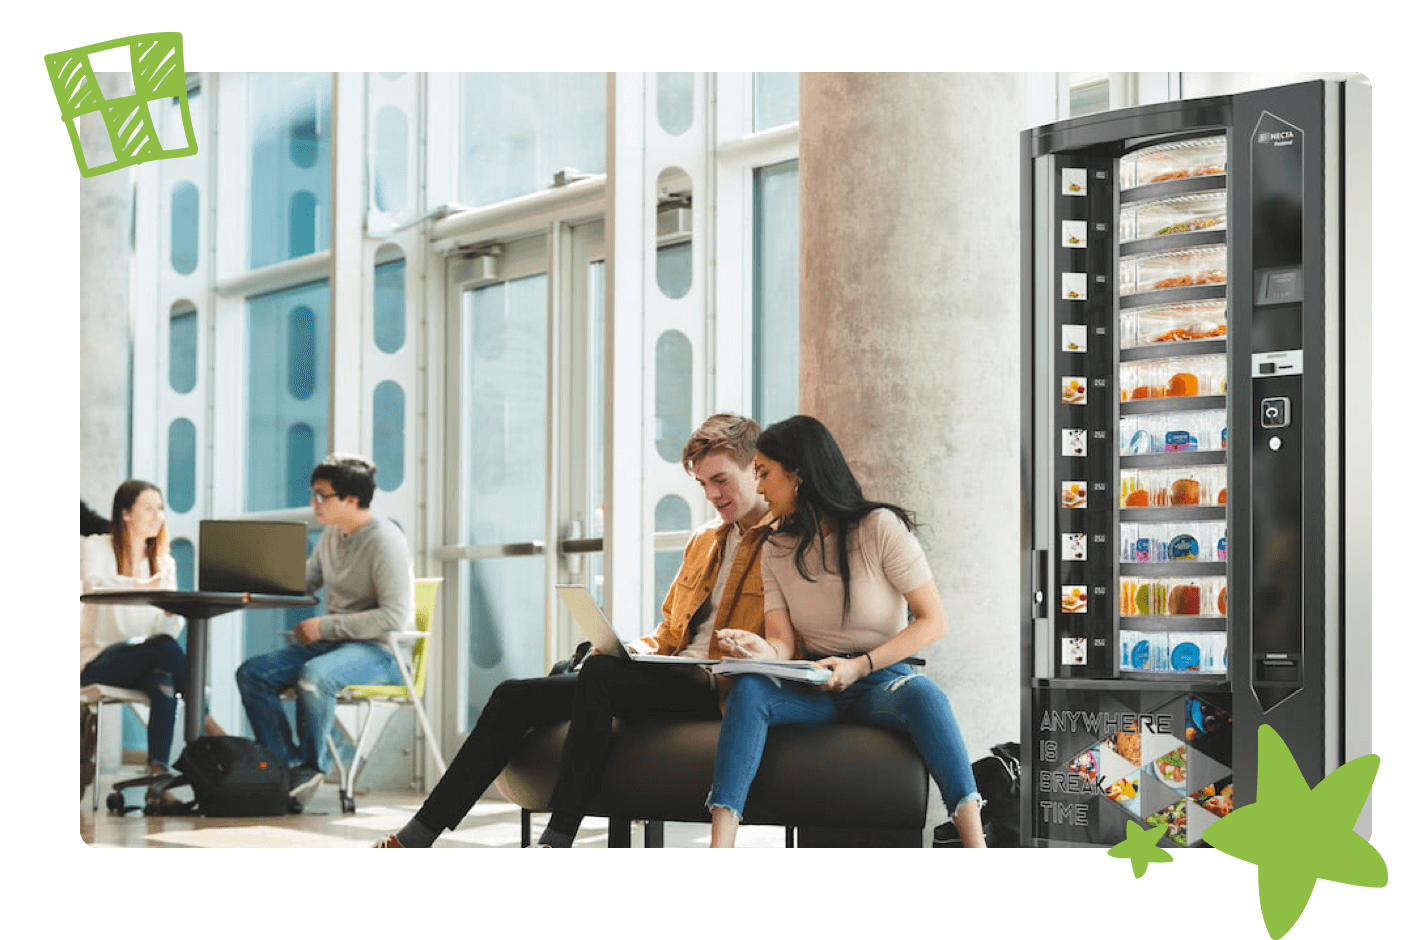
(157, 667)
(605, 688)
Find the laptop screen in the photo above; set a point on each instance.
(257, 557)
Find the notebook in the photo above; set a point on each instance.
(239, 556)
(600, 632)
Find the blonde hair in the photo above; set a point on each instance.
(731, 433)
(124, 499)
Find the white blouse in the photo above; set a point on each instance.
(102, 625)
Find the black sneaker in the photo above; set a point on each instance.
(304, 783)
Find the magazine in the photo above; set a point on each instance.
(794, 670)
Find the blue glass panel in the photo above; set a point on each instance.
(184, 346)
(390, 306)
(674, 270)
(675, 101)
(302, 224)
(391, 159)
(776, 298)
(671, 514)
(519, 128)
(289, 122)
(184, 554)
(287, 356)
(302, 352)
(673, 395)
(776, 99)
(301, 458)
(185, 227)
(180, 465)
(388, 407)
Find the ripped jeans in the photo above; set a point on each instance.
(157, 667)
(316, 672)
(895, 697)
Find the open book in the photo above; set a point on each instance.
(795, 670)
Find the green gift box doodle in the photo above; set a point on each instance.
(158, 72)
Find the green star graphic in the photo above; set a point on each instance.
(1140, 847)
(1296, 834)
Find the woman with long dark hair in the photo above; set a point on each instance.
(840, 572)
(134, 647)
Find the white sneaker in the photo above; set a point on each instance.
(305, 782)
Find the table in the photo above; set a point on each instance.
(198, 607)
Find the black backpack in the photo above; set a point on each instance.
(997, 778)
(233, 777)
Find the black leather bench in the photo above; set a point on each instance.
(828, 785)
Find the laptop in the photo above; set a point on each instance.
(600, 632)
(243, 556)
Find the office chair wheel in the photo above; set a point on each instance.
(348, 803)
(116, 805)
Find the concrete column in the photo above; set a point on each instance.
(909, 320)
(104, 252)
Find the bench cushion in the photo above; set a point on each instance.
(830, 775)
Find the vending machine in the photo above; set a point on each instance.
(1196, 456)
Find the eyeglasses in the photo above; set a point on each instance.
(319, 497)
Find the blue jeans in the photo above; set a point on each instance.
(316, 672)
(894, 697)
(157, 667)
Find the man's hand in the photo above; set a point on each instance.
(309, 631)
(744, 644)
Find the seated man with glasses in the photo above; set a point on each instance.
(363, 561)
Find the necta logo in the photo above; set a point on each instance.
(1276, 138)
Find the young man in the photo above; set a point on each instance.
(364, 562)
(718, 587)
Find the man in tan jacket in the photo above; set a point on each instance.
(718, 587)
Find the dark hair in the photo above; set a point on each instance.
(349, 475)
(726, 433)
(124, 499)
(827, 490)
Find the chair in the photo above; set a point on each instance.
(93, 698)
(378, 700)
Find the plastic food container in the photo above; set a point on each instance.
(1173, 323)
(1167, 270)
(1183, 159)
(1190, 486)
(1174, 597)
(1200, 212)
(1187, 377)
(1176, 432)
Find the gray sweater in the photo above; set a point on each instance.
(367, 576)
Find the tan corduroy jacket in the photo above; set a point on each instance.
(742, 604)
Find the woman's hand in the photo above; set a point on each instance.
(744, 644)
(845, 671)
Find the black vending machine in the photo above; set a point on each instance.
(1195, 457)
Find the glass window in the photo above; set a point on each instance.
(1090, 98)
(673, 395)
(389, 301)
(672, 514)
(520, 128)
(184, 346)
(180, 465)
(302, 352)
(596, 436)
(287, 389)
(388, 434)
(776, 352)
(675, 101)
(776, 99)
(184, 554)
(185, 227)
(289, 120)
(675, 269)
(391, 159)
(503, 480)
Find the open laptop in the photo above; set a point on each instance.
(239, 556)
(600, 632)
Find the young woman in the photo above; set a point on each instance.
(840, 574)
(135, 647)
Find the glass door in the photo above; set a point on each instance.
(523, 457)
